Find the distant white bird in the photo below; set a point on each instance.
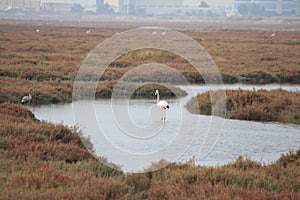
(37, 30)
(154, 32)
(164, 33)
(163, 105)
(8, 8)
(88, 31)
(27, 99)
(273, 34)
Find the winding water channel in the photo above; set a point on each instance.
(131, 134)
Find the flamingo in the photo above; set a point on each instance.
(27, 99)
(163, 105)
(88, 31)
(273, 34)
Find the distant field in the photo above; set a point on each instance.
(50, 58)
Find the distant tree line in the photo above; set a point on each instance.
(77, 8)
(252, 9)
(104, 8)
(203, 4)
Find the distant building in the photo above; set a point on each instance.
(149, 7)
(47, 5)
(56, 7)
(33, 5)
(59, 6)
(99, 2)
(200, 11)
(125, 7)
(5, 5)
(272, 7)
(297, 7)
(164, 7)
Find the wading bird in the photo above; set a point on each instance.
(273, 34)
(163, 105)
(88, 31)
(27, 99)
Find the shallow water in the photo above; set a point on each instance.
(131, 134)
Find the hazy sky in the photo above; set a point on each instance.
(189, 2)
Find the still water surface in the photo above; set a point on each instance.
(130, 133)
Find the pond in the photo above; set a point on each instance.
(130, 133)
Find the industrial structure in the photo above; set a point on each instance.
(146, 7)
(272, 7)
(57, 6)
(45, 5)
(32, 5)
(163, 7)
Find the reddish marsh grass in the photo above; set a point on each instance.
(56, 52)
(262, 105)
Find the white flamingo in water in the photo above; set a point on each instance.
(163, 105)
(27, 99)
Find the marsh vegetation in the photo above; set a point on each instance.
(49, 59)
(261, 105)
(43, 160)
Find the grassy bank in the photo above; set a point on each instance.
(12, 90)
(41, 160)
(261, 105)
(49, 59)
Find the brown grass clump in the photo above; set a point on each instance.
(23, 136)
(243, 179)
(262, 105)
